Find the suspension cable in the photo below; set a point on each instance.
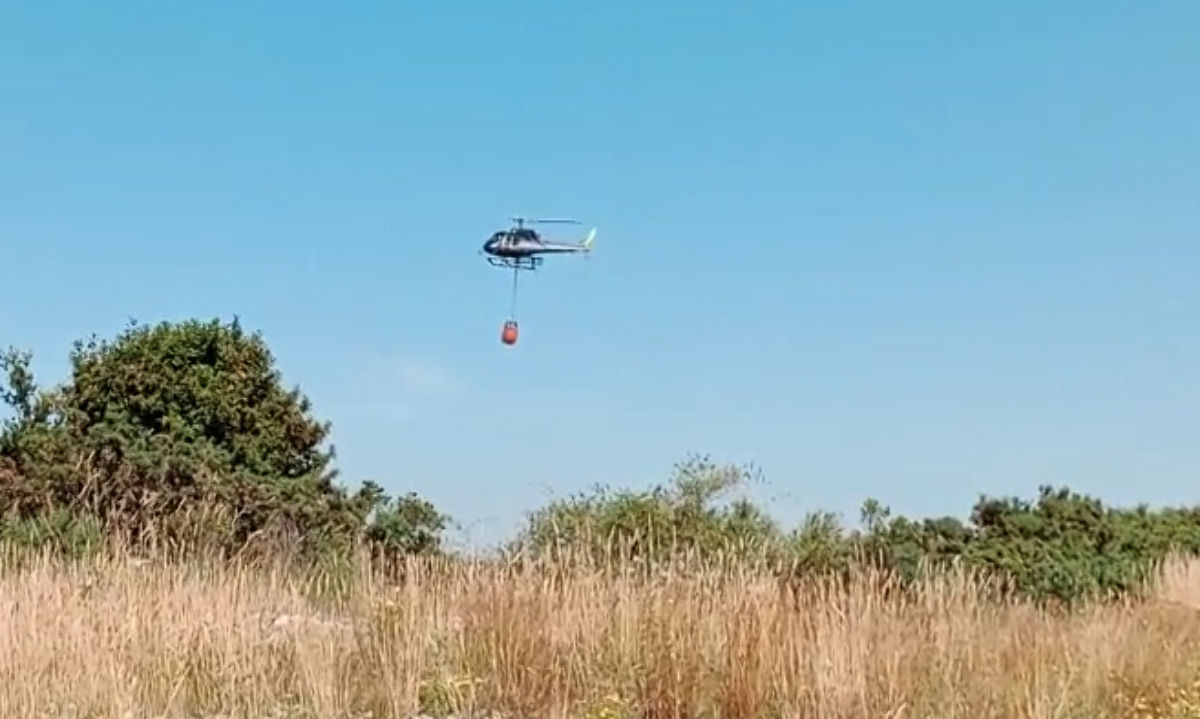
(513, 313)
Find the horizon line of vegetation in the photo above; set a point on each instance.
(183, 434)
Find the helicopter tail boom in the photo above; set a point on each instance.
(584, 246)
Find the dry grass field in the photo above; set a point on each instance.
(117, 637)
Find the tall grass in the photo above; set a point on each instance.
(114, 635)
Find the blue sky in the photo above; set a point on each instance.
(915, 251)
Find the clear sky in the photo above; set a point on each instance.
(916, 251)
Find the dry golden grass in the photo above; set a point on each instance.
(112, 637)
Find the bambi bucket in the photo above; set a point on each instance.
(508, 335)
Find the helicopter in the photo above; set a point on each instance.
(521, 248)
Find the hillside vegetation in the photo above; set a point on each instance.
(172, 520)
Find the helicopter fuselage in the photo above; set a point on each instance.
(512, 245)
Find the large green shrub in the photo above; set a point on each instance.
(176, 420)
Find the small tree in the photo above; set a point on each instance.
(408, 525)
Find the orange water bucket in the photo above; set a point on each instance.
(508, 335)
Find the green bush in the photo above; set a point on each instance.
(168, 426)
(407, 525)
(1063, 547)
(685, 517)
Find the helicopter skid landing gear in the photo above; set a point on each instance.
(516, 263)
